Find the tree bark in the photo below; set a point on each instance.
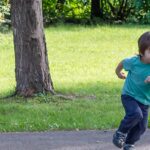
(31, 60)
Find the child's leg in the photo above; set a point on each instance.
(135, 133)
(133, 114)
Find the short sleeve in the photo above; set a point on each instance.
(128, 63)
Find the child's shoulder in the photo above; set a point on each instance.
(129, 62)
(132, 58)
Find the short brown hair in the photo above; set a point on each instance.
(144, 42)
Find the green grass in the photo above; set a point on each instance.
(82, 61)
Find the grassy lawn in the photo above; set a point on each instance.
(82, 62)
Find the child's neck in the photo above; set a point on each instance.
(143, 60)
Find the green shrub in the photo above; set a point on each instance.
(5, 12)
(78, 11)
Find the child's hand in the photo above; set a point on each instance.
(147, 80)
(121, 75)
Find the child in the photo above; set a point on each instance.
(135, 95)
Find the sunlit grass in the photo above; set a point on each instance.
(82, 61)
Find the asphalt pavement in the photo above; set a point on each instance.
(65, 140)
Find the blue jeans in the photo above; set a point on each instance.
(135, 121)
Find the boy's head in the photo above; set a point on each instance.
(144, 44)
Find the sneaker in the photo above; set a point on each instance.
(119, 139)
(129, 147)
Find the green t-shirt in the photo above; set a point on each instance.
(134, 84)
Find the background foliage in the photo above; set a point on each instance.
(79, 11)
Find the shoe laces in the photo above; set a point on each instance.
(121, 136)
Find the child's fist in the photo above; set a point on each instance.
(121, 75)
(147, 80)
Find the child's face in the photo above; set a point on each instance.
(147, 55)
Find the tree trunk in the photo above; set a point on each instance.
(31, 60)
(95, 9)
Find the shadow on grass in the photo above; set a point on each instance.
(71, 27)
(100, 91)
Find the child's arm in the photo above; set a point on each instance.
(118, 70)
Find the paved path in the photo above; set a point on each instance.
(65, 140)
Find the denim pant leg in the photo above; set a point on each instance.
(133, 113)
(136, 132)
